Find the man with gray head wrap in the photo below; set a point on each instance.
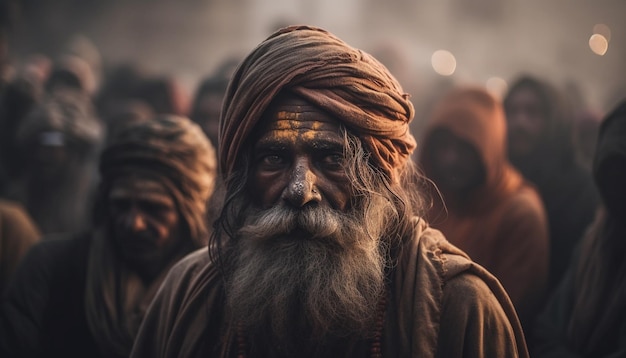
(319, 250)
(86, 295)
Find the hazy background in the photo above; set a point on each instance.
(491, 40)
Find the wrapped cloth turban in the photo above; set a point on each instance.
(172, 150)
(341, 80)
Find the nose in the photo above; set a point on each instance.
(301, 189)
(135, 220)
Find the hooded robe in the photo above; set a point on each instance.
(501, 223)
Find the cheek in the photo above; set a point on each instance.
(338, 191)
(266, 189)
(165, 229)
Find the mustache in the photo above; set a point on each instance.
(314, 222)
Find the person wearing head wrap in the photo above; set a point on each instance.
(492, 213)
(319, 250)
(586, 316)
(85, 295)
(58, 142)
(541, 146)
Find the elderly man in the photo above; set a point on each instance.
(85, 296)
(318, 250)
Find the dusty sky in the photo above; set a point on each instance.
(489, 38)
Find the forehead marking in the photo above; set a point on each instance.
(292, 125)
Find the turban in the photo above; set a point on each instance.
(345, 82)
(172, 150)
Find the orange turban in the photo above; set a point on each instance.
(341, 80)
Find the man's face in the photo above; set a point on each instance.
(145, 223)
(456, 165)
(525, 120)
(307, 258)
(298, 159)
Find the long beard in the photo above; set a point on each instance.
(314, 273)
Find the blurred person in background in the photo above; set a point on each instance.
(207, 101)
(58, 142)
(71, 73)
(541, 147)
(125, 112)
(492, 214)
(118, 87)
(586, 316)
(85, 294)
(19, 97)
(586, 127)
(164, 94)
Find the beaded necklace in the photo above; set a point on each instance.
(375, 345)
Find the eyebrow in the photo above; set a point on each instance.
(280, 144)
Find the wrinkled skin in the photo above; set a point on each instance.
(298, 158)
(146, 224)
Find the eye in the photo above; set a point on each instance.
(333, 161)
(272, 160)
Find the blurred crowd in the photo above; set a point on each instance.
(530, 185)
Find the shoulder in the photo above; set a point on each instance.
(54, 247)
(469, 292)
(477, 320)
(15, 223)
(190, 265)
(12, 210)
(434, 250)
(59, 258)
(185, 305)
(525, 199)
(524, 210)
(437, 285)
(193, 273)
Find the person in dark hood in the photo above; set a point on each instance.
(541, 147)
(85, 295)
(318, 250)
(586, 317)
(493, 214)
(58, 142)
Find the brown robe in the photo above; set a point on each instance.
(18, 233)
(501, 224)
(440, 304)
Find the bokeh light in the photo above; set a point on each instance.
(496, 86)
(604, 30)
(598, 44)
(443, 62)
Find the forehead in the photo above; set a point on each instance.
(291, 119)
(141, 189)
